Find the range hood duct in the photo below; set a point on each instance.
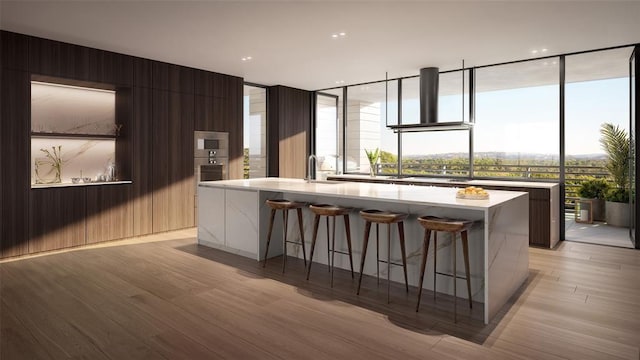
(429, 82)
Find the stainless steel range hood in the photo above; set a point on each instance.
(429, 85)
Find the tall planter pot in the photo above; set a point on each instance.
(599, 210)
(617, 213)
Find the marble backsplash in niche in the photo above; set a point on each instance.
(89, 156)
(72, 110)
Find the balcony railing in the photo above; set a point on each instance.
(574, 174)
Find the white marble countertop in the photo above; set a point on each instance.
(455, 181)
(421, 195)
(93, 183)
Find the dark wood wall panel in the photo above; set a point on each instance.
(209, 83)
(124, 141)
(232, 116)
(208, 113)
(172, 152)
(57, 218)
(142, 73)
(14, 51)
(57, 59)
(109, 213)
(160, 155)
(15, 149)
(273, 131)
(142, 160)
(293, 111)
(172, 77)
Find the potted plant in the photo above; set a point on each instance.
(595, 190)
(373, 156)
(615, 142)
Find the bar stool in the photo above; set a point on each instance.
(330, 211)
(383, 217)
(452, 226)
(285, 206)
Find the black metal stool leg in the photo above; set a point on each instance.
(328, 246)
(388, 263)
(333, 246)
(455, 296)
(435, 257)
(465, 252)
(378, 253)
(266, 251)
(285, 217)
(316, 221)
(304, 251)
(348, 230)
(404, 254)
(423, 265)
(365, 242)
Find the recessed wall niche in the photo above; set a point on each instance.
(73, 133)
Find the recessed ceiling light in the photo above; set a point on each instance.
(544, 50)
(534, 51)
(246, 58)
(334, 35)
(339, 81)
(343, 34)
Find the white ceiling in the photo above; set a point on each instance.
(290, 42)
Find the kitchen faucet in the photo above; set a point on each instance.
(311, 157)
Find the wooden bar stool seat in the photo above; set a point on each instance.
(453, 227)
(285, 206)
(383, 217)
(330, 211)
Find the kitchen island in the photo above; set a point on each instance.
(232, 216)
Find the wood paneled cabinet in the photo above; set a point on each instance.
(109, 213)
(63, 60)
(172, 168)
(57, 218)
(62, 217)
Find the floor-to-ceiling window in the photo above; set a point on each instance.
(368, 108)
(596, 93)
(255, 131)
(437, 153)
(516, 134)
(328, 132)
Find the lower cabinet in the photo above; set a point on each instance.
(64, 217)
(109, 213)
(57, 218)
(229, 219)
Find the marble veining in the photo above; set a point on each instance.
(498, 240)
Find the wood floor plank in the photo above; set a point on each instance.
(165, 297)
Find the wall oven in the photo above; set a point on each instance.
(211, 156)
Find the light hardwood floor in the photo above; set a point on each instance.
(165, 297)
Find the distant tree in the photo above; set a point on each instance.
(387, 157)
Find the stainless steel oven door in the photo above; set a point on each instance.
(210, 169)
